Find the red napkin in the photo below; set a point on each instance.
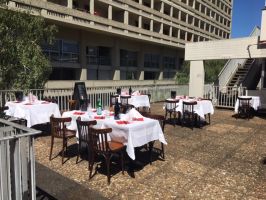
(28, 104)
(122, 122)
(138, 119)
(45, 102)
(111, 114)
(99, 117)
(79, 113)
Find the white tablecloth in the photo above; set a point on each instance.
(202, 107)
(255, 102)
(135, 134)
(37, 113)
(138, 101)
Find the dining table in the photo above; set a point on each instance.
(255, 102)
(137, 100)
(202, 107)
(132, 132)
(37, 112)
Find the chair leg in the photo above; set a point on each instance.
(108, 168)
(150, 150)
(91, 163)
(162, 147)
(51, 149)
(78, 153)
(122, 161)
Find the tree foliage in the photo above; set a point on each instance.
(212, 69)
(22, 62)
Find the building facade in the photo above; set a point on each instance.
(126, 39)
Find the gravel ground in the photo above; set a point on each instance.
(223, 160)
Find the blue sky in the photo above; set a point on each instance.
(246, 15)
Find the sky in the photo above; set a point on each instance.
(246, 15)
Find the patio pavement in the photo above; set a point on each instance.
(223, 160)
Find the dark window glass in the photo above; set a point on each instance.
(128, 58)
(151, 60)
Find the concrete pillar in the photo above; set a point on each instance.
(92, 7)
(171, 11)
(161, 28)
(126, 16)
(83, 57)
(116, 74)
(179, 14)
(194, 4)
(140, 21)
(140, 1)
(160, 75)
(70, 3)
(141, 76)
(151, 25)
(162, 7)
(152, 4)
(110, 12)
(196, 79)
(170, 31)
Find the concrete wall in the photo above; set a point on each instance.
(263, 25)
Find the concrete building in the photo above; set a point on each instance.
(126, 39)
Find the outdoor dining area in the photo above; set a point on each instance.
(181, 147)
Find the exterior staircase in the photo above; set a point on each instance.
(241, 73)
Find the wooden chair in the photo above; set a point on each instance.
(83, 133)
(101, 146)
(244, 108)
(113, 98)
(72, 104)
(188, 114)
(161, 120)
(170, 109)
(125, 106)
(59, 130)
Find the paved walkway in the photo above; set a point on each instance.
(223, 160)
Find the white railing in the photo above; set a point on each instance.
(222, 97)
(229, 71)
(17, 161)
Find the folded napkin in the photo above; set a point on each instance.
(93, 110)
(138, 119)
(133, 113)
(99, 117)
(17, 101)
(79, 113)
(135, 93)
(28, 104)
(122, 122)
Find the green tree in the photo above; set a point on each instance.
(22, 62)
(212, 69)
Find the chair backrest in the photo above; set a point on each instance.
(188, 106)
(124, 100)
(99, 140)
(83, 129)
(113, 98)
(72, 104)
(173, 94)
(244, 102)
(171, 104)
(58, 126)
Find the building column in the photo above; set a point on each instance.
(171, 11)
(126, 17)
(196, 79)
(162, 7)
(170, 30)
(140, 21)
(83, 57)
(161, 28)
(141, 75)
(69, 3)
(151, 25)
(92, 7)
(110, 12)
(152, 4)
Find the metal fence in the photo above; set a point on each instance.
(222, 97)
(17, 162)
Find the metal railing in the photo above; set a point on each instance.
(17, 161)
(221, 96)
(226, 97)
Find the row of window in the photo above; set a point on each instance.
(68, 51)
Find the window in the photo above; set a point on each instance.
(128, 58)
(151, 60)
(150, 75)
(99, 55)
(62, 51)
(169, 62)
